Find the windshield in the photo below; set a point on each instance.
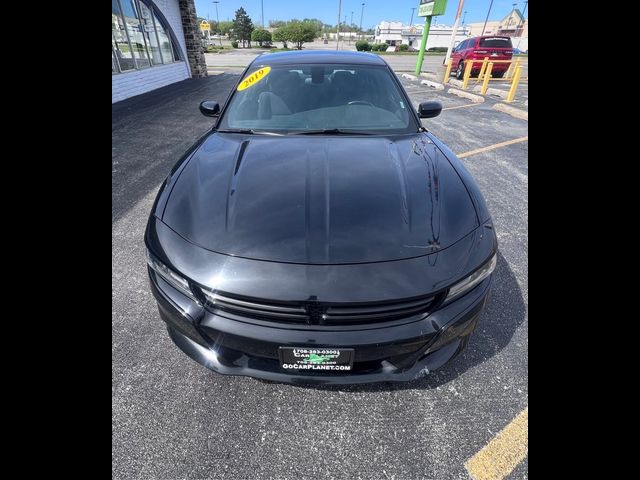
(316, 98)
(495, 42)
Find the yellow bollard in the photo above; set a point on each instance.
(484, 67)
(487, 76)
(509, 71)
(445, 80)
(512, 68)
(467, 74)
(514, 83)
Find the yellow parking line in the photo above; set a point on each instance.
(461, 106)
(493, 147)
(503, 453)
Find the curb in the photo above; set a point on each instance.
(470, 96)
(498, 93)
(509, 110)
(436, 85)
(430, 76)
(409, 77)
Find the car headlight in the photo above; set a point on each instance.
(171, 277)
(472, 280)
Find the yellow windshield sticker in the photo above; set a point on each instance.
(254, 78)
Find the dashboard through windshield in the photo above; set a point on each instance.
(316, 98)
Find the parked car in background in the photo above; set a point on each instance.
(494, 47)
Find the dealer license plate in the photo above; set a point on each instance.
(294, 359)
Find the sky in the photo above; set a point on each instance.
(374, 10)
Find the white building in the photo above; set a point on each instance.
(397, 33)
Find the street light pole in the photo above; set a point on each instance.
(361, 12)
(345, 29)
(350, 28)
(338, 26)
(218, 20)
(262, 12)
(209, 31)
(411, 21)
(485, 20)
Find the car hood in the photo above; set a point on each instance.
(320, 200)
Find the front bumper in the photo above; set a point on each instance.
(400, 352)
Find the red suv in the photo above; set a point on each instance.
(477, 48)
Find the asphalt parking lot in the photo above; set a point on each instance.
(172, 418)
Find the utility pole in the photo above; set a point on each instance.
(218, 20)
(485, 20)
(411, 21)
(262, 12)
(361, 12)
(338, 26)
(453, 33)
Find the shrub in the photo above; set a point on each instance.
(363, 46)
(437, 49)
(263, 37)
(281, 35)
(403, 47)
(234, 44)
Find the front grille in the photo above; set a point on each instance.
(318, 313)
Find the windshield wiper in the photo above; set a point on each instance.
(247, 131)
(331, 131)
(236, 130)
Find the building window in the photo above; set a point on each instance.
(150, 34)
(139, 36)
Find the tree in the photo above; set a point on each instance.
(317, 25)
(225, 27)
(280, 35)
(263, 37)
(242, 27)
(277, 24)
(300, 32)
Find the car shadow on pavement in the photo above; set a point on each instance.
(150, 133)
(505, 311)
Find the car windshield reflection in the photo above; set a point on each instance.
(328, 99)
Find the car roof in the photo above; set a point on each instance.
(318, 56)
(492, 36)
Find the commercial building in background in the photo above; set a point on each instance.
(398, 33)
(153, 43)
(513, 25)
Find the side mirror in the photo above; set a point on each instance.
(429, 109)
(210, 108)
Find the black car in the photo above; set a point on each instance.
(319, 233)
